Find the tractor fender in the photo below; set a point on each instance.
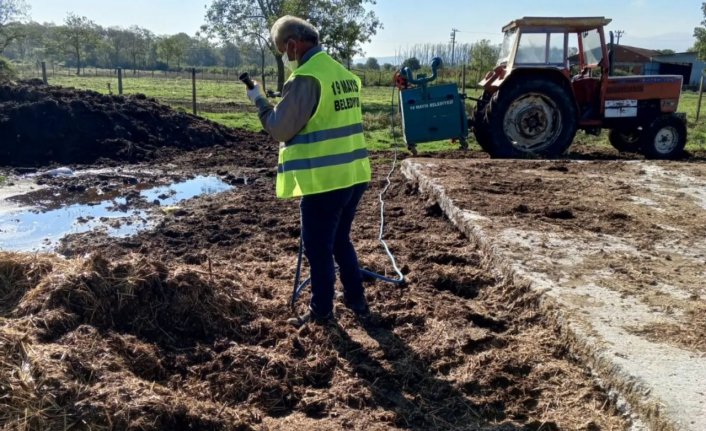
(524, 74)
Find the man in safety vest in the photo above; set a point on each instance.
(322, 158)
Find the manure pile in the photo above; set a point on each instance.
(114, 345)
(40, 125)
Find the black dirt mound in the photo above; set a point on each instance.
(43, 124)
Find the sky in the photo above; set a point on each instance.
(654, 24)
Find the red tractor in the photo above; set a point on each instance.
(532, 103)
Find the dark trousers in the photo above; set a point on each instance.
(326, 226)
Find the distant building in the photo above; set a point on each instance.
(687, 62)
(629, 60)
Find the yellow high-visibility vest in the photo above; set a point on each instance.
(329, 153)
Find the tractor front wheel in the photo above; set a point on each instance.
(665, 138)
(625, 141)
(532, 118)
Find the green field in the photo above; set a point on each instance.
(224, 101)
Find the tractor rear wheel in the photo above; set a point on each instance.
(532, 118)
(481, 128)
(665, 138)
(625, 141)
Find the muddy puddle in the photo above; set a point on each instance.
(39, 219)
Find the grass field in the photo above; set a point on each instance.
(225, 102)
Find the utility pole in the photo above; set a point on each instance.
(618, 35)
(453, 44)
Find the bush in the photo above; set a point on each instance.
(7, 72)
(412, 63)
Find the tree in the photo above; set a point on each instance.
(700, 35)
(412, 63)
(247, 20)
(166, 50)
(231, 55)
(139, 41)
(31, 45)
(174, 48)
(181, 44)
(7, 73)
(11, 11)
(483, 56)
(343, 24)
(101, 53)
(372, 64)
(426, 52)
(202, 53)
(48, 46)
(118, 40)
(77, 34)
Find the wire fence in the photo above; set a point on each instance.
(377, 78)
(187, 88)
(204, 91)
(209, 74)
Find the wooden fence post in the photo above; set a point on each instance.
(120, 81)
(193, 88)
(44, 72)
(701, 94)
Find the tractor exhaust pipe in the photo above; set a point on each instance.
(611, 54)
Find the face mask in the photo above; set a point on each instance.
(290, 64)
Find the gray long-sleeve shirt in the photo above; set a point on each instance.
(300, 98)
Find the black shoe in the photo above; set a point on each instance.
(359, 307)
(310, 316)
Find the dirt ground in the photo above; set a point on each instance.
(184, 326)
(615, 203)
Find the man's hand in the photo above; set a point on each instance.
(255, 93)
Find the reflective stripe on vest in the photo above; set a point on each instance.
(322, 162)
(329, 153)
(324, 135)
